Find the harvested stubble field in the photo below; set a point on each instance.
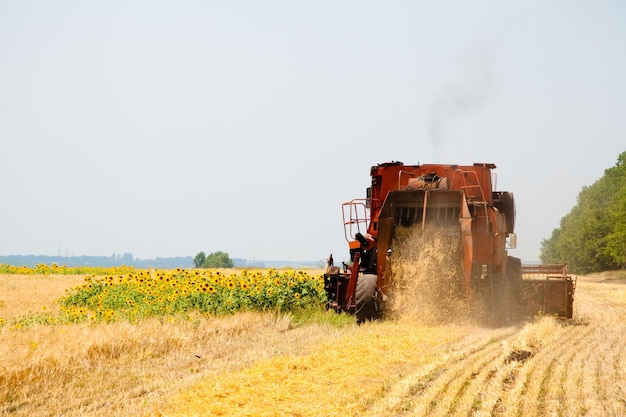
(254, 364)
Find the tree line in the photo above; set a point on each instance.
(104, 261)
(592, 237)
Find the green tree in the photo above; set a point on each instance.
(218, 259)
(198, 260)
(592, 237)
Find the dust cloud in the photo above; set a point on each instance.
(426, 270)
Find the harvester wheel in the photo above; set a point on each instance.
(365, 295)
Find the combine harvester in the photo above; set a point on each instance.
(461, 199)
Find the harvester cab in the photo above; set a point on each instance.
(457, 199)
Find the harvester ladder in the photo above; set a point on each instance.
(472, 188)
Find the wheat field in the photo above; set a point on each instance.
(255, 364)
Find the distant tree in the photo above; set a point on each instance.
(199, 259)
(218, 259)
(592, 237)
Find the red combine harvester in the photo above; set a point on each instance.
(457, 196)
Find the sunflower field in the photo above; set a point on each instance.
(171, 294)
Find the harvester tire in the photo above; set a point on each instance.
(365, 296)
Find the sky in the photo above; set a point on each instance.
(166, 128)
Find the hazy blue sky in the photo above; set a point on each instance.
(163, 128)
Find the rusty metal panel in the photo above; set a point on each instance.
(549, 296)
